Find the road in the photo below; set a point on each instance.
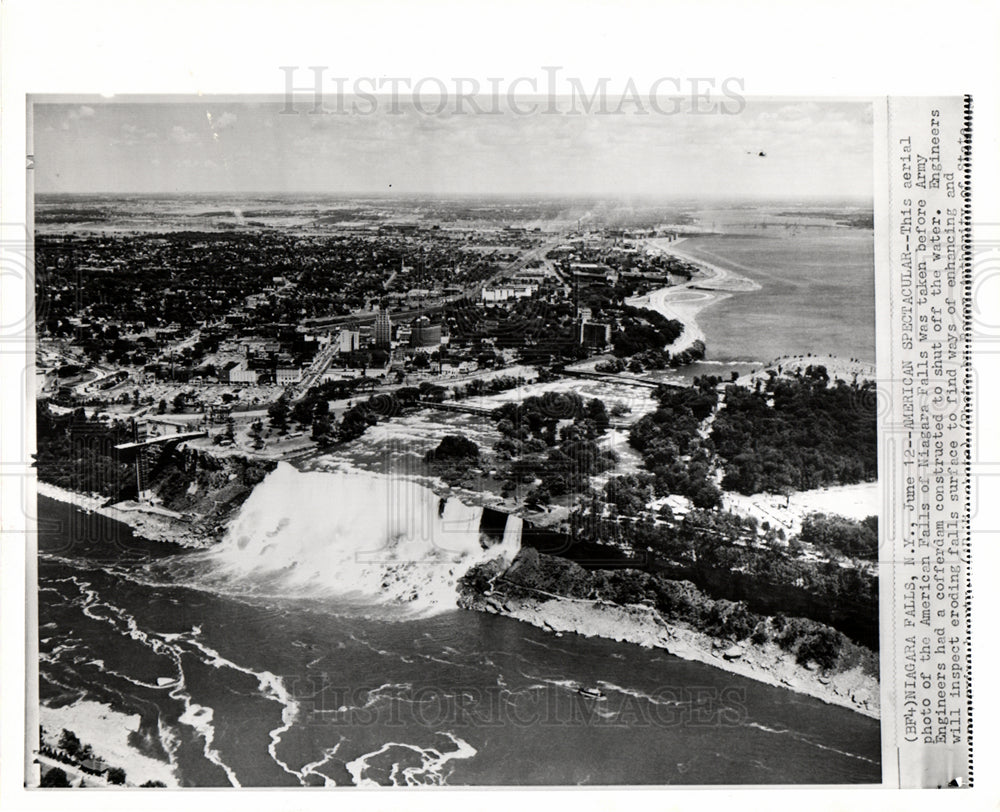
(473, 292)
(316, 368)
(516, 266)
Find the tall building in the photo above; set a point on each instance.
(382, 334)
(595, 335)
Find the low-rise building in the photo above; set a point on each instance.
(241, 373)
(284, 376)
(502, 293)
(595, 335)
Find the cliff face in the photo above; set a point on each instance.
(194, 481)
(200, 493)
(636, 607)
(77, 462)
(196, 494)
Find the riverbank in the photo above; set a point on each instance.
(108, 732)
(147, 521)
(684, 302)
(643, 626)
(848, 370)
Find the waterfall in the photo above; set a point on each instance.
(512, 532)
(359, 535)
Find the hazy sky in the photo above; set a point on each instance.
(814, 149)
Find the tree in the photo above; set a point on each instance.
(430, 391)
(836, 535)
(69, 742)
(162, 408)
(55, 778)
(278, 414)
(179, 402)
(355, 422)
(598, 413)
(116, 775)
(454, 446)
(821, 647)
(408, 395)
(538, 496)
(302, 411)
(706, 495)
(322, 431)
(629, 494)
(152, 784)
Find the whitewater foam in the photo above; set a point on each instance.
(196, 716)
(432, 763)
(383, 539)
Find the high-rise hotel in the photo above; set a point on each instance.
(383, 328)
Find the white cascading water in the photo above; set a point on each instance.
(358, 535)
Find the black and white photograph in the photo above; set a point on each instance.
(535, 447)
(463, 406)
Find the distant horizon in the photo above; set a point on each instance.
(859, 200)
(806, 149)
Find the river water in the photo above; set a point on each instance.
(817, 293)
(294, 653)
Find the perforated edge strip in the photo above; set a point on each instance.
(965, 172)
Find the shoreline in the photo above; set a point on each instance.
(151, 525)
(837, 367)
(107, 731)
(685, 301)
(643, 626)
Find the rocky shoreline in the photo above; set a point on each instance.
(194, 497)
(149, 524)
(559, 596)
(643, 626)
